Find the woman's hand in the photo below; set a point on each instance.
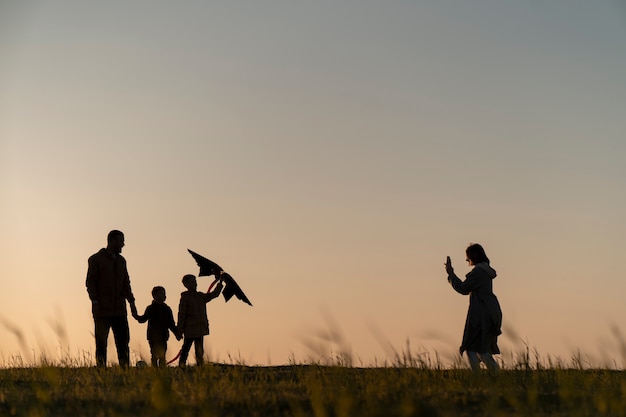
(448, 265)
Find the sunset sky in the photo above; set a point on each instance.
(327, 154)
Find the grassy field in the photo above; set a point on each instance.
(309, 390)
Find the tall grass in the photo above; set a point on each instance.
(333, 382)
(413, 383)
(309, 390)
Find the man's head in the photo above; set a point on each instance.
(189, 281)
(115, 241)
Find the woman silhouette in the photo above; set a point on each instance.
(484, 316)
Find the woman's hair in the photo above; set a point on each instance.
(476, 253)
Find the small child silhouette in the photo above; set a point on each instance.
(192, 318)
(160, 320)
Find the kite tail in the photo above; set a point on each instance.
(175, 357)
(212, 285)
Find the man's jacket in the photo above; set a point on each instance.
(108, 283)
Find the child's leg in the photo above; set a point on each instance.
(199, 348)
(153, 356)
(158, 348)
(162, 360)
(184, 352)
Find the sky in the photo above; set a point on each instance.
(329, 156)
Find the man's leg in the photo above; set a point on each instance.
(199, 348)
(102, 326)
(121, 334)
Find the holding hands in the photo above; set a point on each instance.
(133, 310)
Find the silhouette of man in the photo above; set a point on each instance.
(108, 285)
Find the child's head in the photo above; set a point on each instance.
(189, 281)
(158, 294)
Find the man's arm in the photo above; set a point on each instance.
(92, 279)
(145, 317)
(128, 292)
(91, 283)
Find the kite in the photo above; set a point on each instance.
(208, 267)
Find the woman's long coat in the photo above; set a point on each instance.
(484, 316)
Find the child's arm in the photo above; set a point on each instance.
(215, 293)
(172, 325)
(144, 318)
(182, 315)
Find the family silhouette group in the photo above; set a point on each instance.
(108, 286)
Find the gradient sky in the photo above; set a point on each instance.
(329, 155)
